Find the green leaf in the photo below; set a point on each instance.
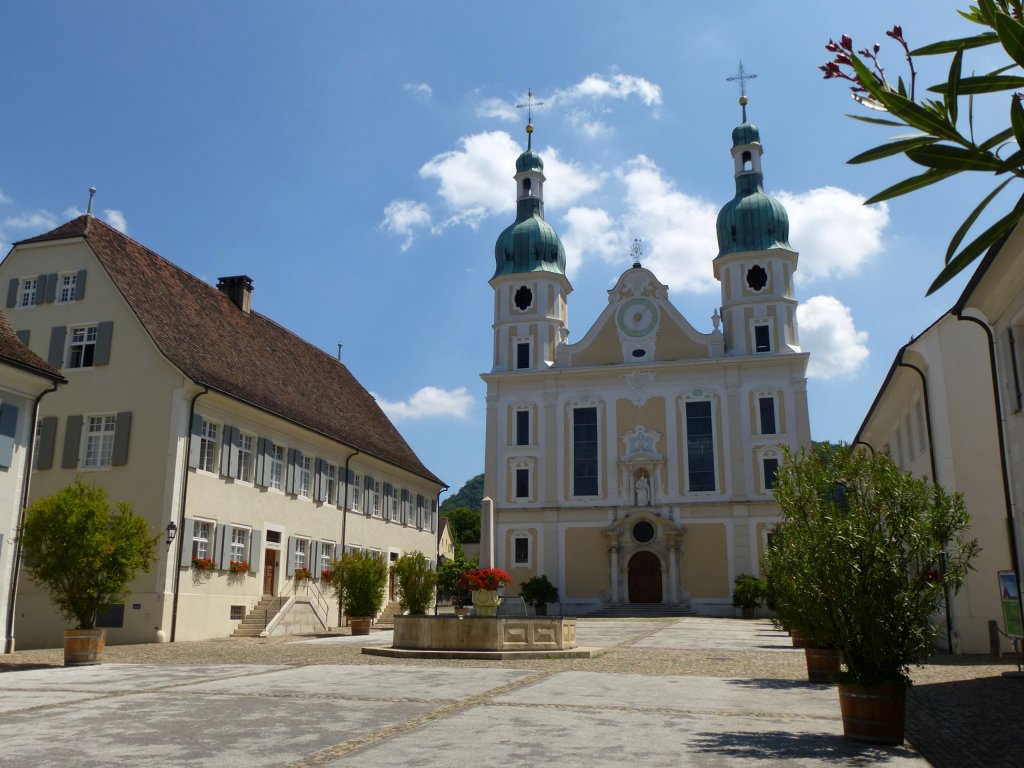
(969, 221)
(944, 157)
(1014, 161)
(892, 148)
(1017, 121)
(900, 87)
(998, 138)
(1011, 36)
(982, 84)
(877, 120)
(949, 46)
(972, 251)
(988, 11)
(954, 85)
(919, 117)
(909, 185)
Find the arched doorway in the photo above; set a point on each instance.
(644, 578)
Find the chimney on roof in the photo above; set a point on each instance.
(239, 289)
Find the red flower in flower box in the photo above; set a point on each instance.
(485, 578)
(238, 566)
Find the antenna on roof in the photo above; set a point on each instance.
(92, 194)
(339, 351)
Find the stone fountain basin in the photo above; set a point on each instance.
(485, 633)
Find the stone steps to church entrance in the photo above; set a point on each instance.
(639, 611)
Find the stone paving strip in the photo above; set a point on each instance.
(694, 691)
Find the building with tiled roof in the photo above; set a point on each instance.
(25, 378)
(248, 443)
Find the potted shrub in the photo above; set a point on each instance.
(747, 594)
(484, 584)
(887, 546)
(538, 592)
(449, 581)
(85, 555)
(360, 581)
(416, 582)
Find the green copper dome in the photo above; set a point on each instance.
(530, 244)
(751, 221)
(529, 161)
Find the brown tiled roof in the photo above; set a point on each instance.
(14, 352)
(248, 357)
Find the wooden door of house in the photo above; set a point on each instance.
(644, 578)
(269, 571)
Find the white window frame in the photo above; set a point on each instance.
(305, 468)
(209, 443)
(83, 343)
(355, 491)
(99, 441)
(327, 550)
(769, 454)
(276, 458)
(528, 563)
(301, 553)
(239, 544)
(246, 457)
(27, 291)
(376, 498)
(67, 288)
(331, 473)
(202, 538)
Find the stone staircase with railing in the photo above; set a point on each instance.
(256, 620)
(387, 616)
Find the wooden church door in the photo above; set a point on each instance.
(644, 578)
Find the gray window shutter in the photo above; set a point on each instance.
(51, 289)
(40, 289)
(72, 438)
(186, 542)
(8, 428)
(262, 462)
(47, 440)
(254, 554)
(23, 336)
(294, 457)
(223, 546)
(314, 559)
(104, 334)
(196, 440)
(56, 354)
(368, 495)
(236, 448)
(225, 451)
(290, 559)
(80, 285)
(122, 431)
(12, 292)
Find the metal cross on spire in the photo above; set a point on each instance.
(529, 105)
(742, 77)
(637, 251)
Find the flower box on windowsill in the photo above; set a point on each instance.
(203, 564)
(301, 574)
(238, 567)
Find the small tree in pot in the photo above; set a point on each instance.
(360, 581)
(85, 555)
(886, 548)
(538, 592)
(416, 582)
(747, 594)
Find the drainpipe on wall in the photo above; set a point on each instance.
(1011, 528)
(175, 562)
(935, 479)
(16, 565)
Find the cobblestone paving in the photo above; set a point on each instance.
(962, 711)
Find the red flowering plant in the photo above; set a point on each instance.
(301, 574)
(202, 563)
(238, 566)
(485, 578)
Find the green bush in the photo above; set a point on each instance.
(538, 592)
(416, 582)
(360, 580)
(748, 591)
(449, 578)
(83, 553)
(866, 554)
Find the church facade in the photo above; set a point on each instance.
(636, 465)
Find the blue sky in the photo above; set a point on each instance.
(356, 159)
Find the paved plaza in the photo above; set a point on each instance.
(680, 692)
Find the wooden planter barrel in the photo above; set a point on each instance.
(360, 625)
(83, 647)
(799, 641)
(823, 664)
(873, 715)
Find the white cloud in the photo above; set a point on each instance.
(677, 230)
(585, 124)
(403, 218)
(835, 233)
(421, 90)
(427, 402)
(502, 110)
(4, 198)
(827, 331)
(38, 221)
(73, 213)
(116, 219)
(617, 87)
(592, 232)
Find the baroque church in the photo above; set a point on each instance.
(637, 464)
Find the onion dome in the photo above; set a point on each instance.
(752, 220)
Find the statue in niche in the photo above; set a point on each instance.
(643, 490)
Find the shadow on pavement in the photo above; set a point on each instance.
(967, 722)
(778, 685)
(785, 745)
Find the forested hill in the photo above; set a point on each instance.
(469, 496)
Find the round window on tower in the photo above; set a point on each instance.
(523, 298)
(757, 278)
(643, 532)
